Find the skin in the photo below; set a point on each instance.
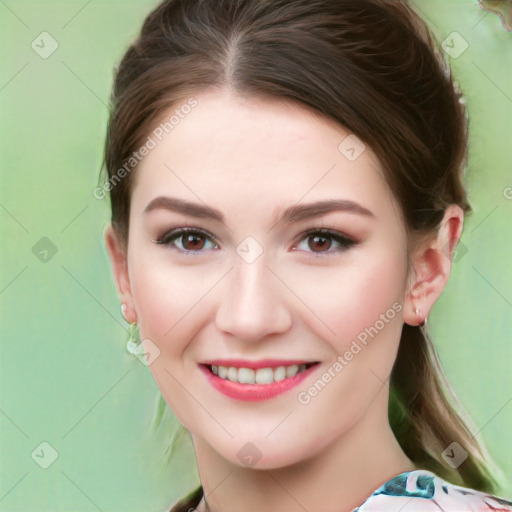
(250, 159)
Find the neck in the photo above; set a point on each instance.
(339, 478)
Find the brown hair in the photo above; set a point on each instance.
(372, 66)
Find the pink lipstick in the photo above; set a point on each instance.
(256, 380)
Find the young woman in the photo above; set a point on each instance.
(286, 181)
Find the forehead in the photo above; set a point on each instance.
(231, 151)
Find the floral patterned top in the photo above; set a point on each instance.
(418, 490)
(423, 491)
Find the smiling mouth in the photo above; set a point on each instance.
(263, 376)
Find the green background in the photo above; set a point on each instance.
(66, 378)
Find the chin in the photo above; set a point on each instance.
(264, 455)
(265, 463)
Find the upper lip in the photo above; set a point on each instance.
(260, 363)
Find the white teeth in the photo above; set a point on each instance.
(246, 376)
(279, 373)
(259, 376)
(232, 374)
(264, 376)
(292, 370)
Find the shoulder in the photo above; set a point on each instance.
(423, 491)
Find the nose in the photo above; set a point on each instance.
(252, 305)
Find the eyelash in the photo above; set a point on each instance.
(344, 241)
(166, 238)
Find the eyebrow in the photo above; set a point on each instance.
(294, 213)
(184, 207)
(305, 211)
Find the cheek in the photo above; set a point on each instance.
(345, 299)
(172, 301)
(168, 305)
(164, 297)
(158, 303)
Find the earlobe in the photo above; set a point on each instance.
(432, 262)
(118, 261)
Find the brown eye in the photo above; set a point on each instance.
(192, 242)
(319, 243)
(325, 242)
(188, 240)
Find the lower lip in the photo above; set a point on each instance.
(255, 392)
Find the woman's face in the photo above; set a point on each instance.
(256, 288)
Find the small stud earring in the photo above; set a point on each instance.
(418, 312)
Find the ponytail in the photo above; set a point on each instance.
(423, 415)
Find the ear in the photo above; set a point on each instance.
(432, 263)
(118, 261)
